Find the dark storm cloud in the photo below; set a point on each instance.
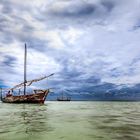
(75, 11)
(83, 9)
(7, 65)
(13, 26)
(20, 22)
(137, 25)
(108, 4)
(135, 61)
(6, 6)
(24, 34)
(9, 60)
(93, 80)
(9, 6)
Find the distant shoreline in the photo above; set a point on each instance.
(99, 100)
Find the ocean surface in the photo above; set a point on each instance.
(70, 121)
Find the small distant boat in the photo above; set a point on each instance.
(38, 96)
(63, 98)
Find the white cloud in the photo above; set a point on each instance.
(38, 63)
(91, 41)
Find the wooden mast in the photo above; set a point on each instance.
(62, 95)
(25, 59)
(1, 94)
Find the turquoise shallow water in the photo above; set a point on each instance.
(70, 121)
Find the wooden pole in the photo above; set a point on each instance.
(25, 59)
(19, 92)
(1, 94)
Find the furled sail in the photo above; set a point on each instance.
(28, 83)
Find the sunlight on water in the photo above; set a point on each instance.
(70, 121)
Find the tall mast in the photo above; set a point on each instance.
(25, 59)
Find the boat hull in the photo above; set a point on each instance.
(63, 100)
(32, 98)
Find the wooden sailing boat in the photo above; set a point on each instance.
(38, 96)
(63, 98)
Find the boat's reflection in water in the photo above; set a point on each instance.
(24, 121)
(35, 119)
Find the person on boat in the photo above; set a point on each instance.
(9, 93)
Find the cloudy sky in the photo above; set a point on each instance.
(84, 42)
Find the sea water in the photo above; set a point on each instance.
(70, 121)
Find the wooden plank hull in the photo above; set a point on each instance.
(32, 98)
